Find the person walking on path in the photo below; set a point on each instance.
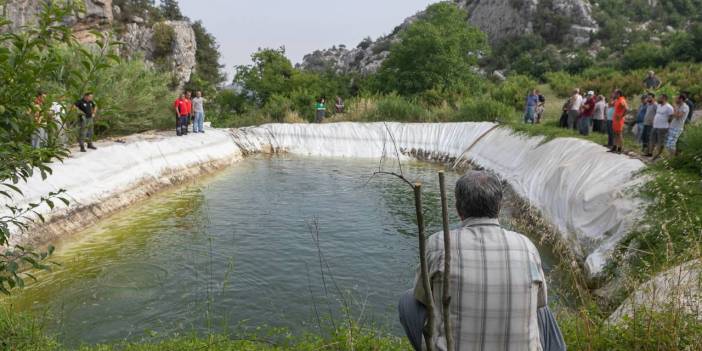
(677, 125)
(39, 133)
(651, 108)
(532, 101)
(620, 109)
(498, 287)
(88, 111)
(598, 118)
(576, 102)
(661, 123)
(651, 82)
(199, 112)
(320, 111)
(182, 113)
(588, 111)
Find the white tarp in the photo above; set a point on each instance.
(576, 184)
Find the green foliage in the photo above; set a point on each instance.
(170, 10)
(513, 91)
(271, 74)
(393, 107)
(164, 37)
(22, 332)
(277, 107)
(643, 55)
(208, 69)
(26, 59)
(145, 9)
(690, 148)
(550, 24)
(482, 109)
(437, 51)
(649, 330)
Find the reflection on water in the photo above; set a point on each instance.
(238, 248)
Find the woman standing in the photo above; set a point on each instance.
(620, 109)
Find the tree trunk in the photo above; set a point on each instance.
(446, 298)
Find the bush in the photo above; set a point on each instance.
(482, 109)
(164, 37)
(277, 107)
(562, 83)
(396, 108)
(513, 91)
(644, 55)
(690, 157)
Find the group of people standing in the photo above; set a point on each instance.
(657, 124)
(190, 110)
(44, 135)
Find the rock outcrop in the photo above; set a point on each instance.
(499, 19)
(137, 34)
(138, 40)
(678, 289)
(503, 19)
(25, 13)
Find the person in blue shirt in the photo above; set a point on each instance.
(532, 101)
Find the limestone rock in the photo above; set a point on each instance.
(24, 13)
(138, 39)
(502, 19)
(678, 288)
(499, 19)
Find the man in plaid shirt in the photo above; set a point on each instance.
(498, 288)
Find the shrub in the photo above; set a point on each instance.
(562, 82)
(396, 108)
(277, 107)
(164, 37)
(513, 91)
(482, 109)
(690, 157)
(643, 55)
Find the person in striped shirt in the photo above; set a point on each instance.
(498, 288)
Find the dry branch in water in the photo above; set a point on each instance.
(446, 298)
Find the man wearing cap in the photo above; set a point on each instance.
(587, 111)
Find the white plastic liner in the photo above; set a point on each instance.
(141, 165)
(587, 193)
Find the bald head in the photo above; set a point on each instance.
(478, 195)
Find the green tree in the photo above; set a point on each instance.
(208, 69)
(437, 51)
(170, 10)
(271, 74)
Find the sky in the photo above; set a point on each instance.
(302, 26)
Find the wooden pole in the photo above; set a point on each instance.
(424, 271)
(446, 298)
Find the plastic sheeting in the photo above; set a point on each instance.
(579, 187)
(97, 180)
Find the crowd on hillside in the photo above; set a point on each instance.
(656, 124)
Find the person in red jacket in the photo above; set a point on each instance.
(182, 113)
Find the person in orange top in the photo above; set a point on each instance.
(620, 110)
(189, 103)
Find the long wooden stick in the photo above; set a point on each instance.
(446, 298)
(424, 271)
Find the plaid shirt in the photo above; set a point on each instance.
(497, 284)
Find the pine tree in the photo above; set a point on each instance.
(170, 10)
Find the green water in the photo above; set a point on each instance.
(238, 249)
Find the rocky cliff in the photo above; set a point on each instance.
(499, 19)
(136, 33)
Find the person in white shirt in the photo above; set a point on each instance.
(576, 102)
(661, 123)
(59, 112)
(199, 112)
(677, 124)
